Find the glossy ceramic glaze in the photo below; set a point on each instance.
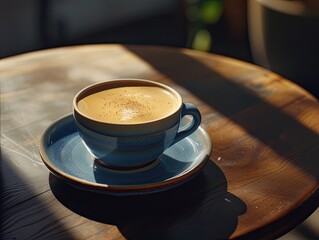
(66, 156)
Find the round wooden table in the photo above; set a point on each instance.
(261, 180)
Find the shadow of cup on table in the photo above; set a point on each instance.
(200, 208)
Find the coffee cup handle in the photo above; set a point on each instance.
(189, 109)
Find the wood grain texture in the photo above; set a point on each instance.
(262, 179)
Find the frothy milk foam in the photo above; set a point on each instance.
(132, 104)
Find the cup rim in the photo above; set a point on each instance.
(82, 93)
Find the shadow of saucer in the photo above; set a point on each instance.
(201, 208)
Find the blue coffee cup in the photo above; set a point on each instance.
(134, 145)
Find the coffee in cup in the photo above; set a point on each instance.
(129, 104)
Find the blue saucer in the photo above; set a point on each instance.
(64, 154)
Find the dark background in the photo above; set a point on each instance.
(40, 24)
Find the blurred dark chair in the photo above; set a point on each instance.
(284, 37)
